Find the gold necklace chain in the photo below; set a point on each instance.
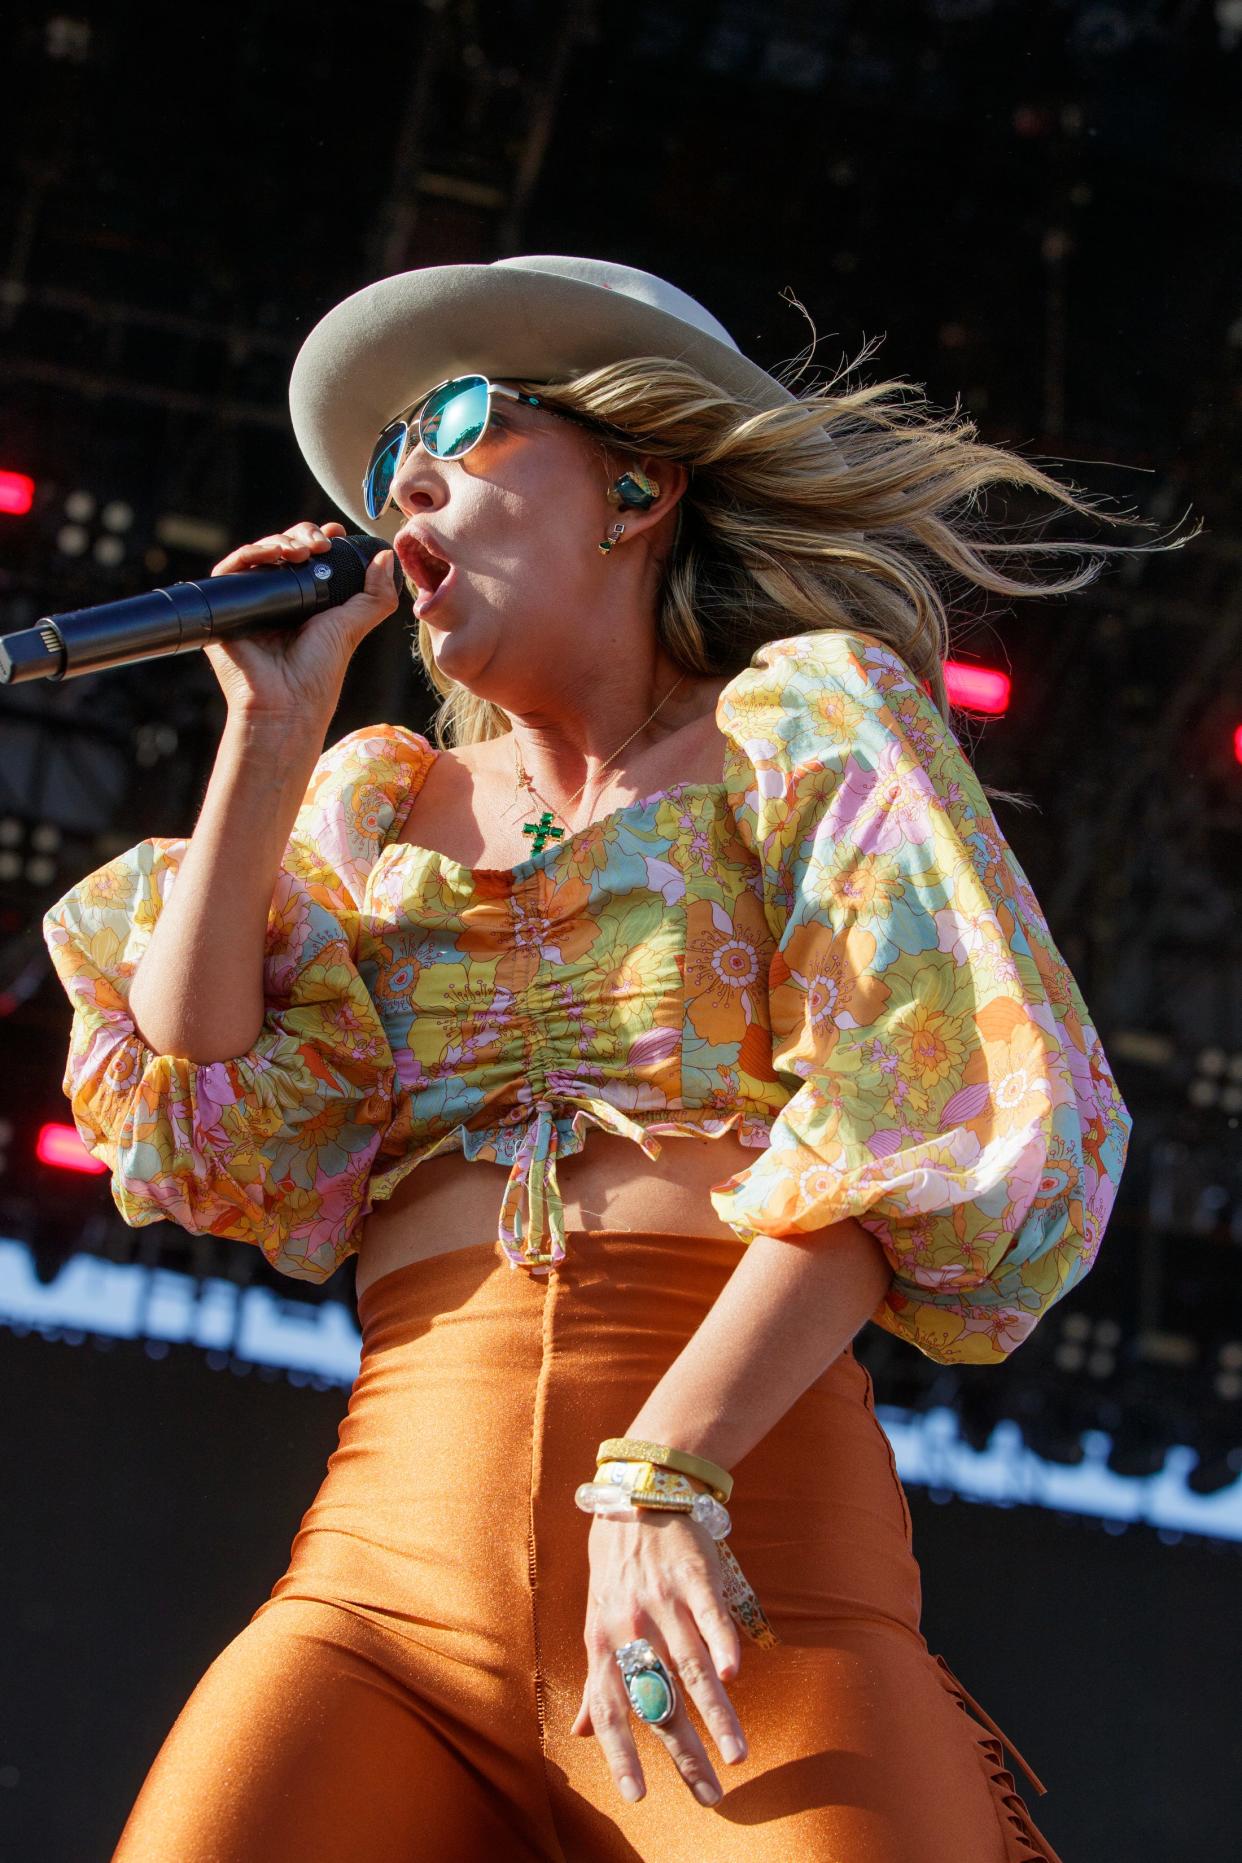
(564, 813)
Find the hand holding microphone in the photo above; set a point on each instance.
(298, 672)
(278, 619)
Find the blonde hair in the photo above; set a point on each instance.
(847, 509)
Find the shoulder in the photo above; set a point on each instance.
(384, 755)
(805, 688)
(799, 661)
(356, 801)
(371, 775)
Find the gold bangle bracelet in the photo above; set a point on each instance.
(631, 1449)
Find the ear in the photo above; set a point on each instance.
(671, 477)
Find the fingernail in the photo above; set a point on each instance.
(706, 1793)
(631, 1789)
(732, 1749)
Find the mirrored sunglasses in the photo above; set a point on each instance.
(447, 422)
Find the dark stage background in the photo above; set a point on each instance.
(1034, 204)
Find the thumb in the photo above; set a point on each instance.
(379, 573)
(377, 598)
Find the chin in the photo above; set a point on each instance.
(457, 652)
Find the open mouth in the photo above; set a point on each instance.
(441, 576)
(421, 564)
(437, 569)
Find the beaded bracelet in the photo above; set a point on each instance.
(624, 1484)
(621, 1487)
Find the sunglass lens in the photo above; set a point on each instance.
(454, 416)
(378, 481)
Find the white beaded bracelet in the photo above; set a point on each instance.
(617, 1483)
(606, 1498)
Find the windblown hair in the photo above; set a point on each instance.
(847, 509)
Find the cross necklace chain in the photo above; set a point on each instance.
(542, 830)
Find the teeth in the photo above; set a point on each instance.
(433, 568)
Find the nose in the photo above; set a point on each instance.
(418, 484)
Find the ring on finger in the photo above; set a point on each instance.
(650, 1687)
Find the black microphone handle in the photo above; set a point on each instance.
(188, 614)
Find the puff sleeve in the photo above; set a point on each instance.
(954, 1097)
(275, 1146)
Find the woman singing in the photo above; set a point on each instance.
(694, 855)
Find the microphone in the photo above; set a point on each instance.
(185, 616)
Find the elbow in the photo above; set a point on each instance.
(874, 1264)
(854, 1264)
(200, 1054)
(180, 1041)
(865, 1269)
(187, 1036)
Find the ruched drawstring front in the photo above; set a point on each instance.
(524, 1233)
(532, 1214)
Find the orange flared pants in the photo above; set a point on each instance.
(407, 1690)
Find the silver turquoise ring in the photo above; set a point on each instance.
(650, 1687)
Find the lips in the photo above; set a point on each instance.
(423, 561)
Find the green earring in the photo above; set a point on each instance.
(633, 489)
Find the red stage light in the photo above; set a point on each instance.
(16, 493)
(61, 1146)
(1237, 743)
(977, 688)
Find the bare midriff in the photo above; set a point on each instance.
(453, 1202)
(465, 810)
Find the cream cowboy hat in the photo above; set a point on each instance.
(539, 319)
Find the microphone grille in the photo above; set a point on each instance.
(349, 559)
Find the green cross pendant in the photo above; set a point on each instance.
(541, 831)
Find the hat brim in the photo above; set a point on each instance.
(378, 350)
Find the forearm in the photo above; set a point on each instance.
(198, 990)
(785, 1313)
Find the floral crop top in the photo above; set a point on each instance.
(834, 951)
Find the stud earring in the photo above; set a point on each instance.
(611, 538)
(633, 489)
